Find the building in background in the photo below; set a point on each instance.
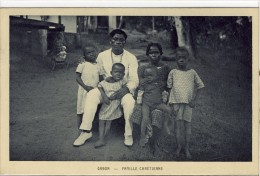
(36, 34)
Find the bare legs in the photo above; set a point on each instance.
(187, 128)
(104, 128)
(168, 113)
(145, 122)
(178, 137)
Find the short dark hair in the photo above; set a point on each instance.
(119, 65)
(158, 45)
(182, 50)
(87, 48)
(118, 31)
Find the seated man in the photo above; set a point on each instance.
(117, 54)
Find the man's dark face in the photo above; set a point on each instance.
(117, 42)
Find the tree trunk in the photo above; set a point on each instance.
(183, 33)
(121, 22)
(153, 23)
(86, 24)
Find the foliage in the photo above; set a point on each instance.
(144, 23)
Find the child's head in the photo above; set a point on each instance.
(182, 57)
(118, 71)
(89, 53)
(154, 52)
(63, 48)
(151, 73)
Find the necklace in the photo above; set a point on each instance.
(112, 57)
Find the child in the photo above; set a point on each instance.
(183, 97)
(87, 77)
(61, 56)
(110, 109)
(151, 99)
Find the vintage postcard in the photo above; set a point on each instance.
(129, 91)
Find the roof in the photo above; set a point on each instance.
(35, 24)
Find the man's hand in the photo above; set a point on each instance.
(119, 94)
(88, 88)
(106, 100)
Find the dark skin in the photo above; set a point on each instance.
(182, 62)
(89, 56)
(154, 56)
(117, 75)
(117, 42)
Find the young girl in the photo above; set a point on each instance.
(151, 99)
(183, 96)
(87, 77)
(110, 109)
(61, 56)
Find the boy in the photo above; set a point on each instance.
(183, 96)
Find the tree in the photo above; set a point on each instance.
(85, 24)
(121, 22)
(183, 33)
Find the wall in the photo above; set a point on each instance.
(53, 19)
(70, 23)
(111, 23)
(92, 23)
(34, 17)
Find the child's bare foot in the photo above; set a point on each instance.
(99, 143)
(188, 155)
(178, 151)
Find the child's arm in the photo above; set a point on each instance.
(165, 96)
(192, 103)
(104, 95)
(142, 79)
(121, 92)
(80, 82)
(199, 85)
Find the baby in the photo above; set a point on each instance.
(110, 109)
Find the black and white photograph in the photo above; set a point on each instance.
(131, 88)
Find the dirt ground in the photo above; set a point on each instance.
(43, 121)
